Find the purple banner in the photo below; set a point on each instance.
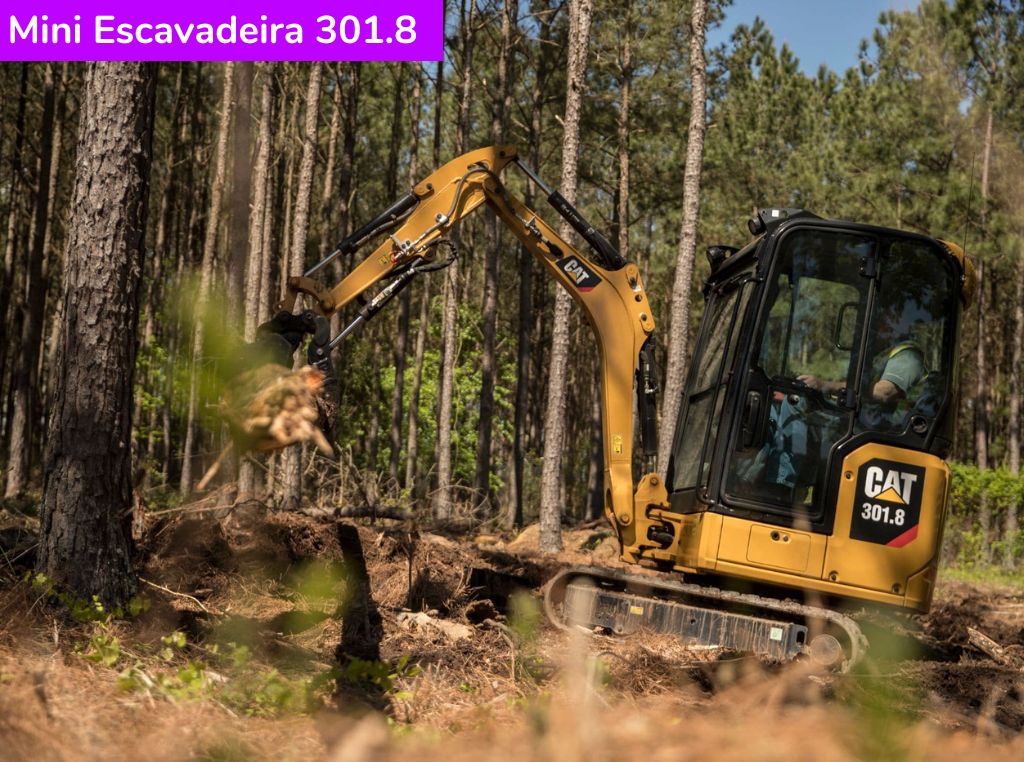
(222, 30)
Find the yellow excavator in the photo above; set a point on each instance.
(808, 460)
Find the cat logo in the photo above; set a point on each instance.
(582, 276)
(887, 503)
(892, 486)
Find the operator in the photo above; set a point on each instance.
(795, 452)
(898, 368)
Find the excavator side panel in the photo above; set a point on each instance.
(889, 518)
(885, 546)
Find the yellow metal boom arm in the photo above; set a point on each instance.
(611, 295)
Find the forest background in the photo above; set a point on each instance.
(258, 169)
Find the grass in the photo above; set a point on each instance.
(985, 575)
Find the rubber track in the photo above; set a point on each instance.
(558, 583)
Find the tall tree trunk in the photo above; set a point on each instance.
(26, 373)
(1011, 526)
(328, 201)
(449, 327)
(622, 133)
(272, 206)
(412, 435)
(241, 181)
(580, 12)
(981, 397)
(346, 182)
(206, 279)
(291, 461)
(51, 271)
(373, 427)
(400, 342)
(526, 266)
(254, 248)
(87, 493)
(499, 117)
(161, 253)
(238, 233)
(13, 209)
(679, 327)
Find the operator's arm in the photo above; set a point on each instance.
(886, 391)
(902, 371)
(824, 385)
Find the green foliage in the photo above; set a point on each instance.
(381, 674)
(979, 503)
(85, 610)
(178, 670)
(233, 679)
(103, 648)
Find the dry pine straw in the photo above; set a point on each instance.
(547, 698)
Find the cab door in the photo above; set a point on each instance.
(801, 377)
(711, 372)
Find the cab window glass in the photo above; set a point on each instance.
(706, 392)
(812, 320)
(807, 355)
(904, 370)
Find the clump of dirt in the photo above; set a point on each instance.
(972, 694)
(998, 612)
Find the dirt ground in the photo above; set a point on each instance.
(280, 636)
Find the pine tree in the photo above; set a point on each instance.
(87, 490)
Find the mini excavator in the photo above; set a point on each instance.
(807, 473)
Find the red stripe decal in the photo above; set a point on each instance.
(903, 539)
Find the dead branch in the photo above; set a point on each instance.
(996, 652)
(186, 596)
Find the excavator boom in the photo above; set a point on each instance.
(607, 288)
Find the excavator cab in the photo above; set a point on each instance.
(819, 406)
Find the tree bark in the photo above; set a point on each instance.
(412, 432)
(982, 401)
(412, 435)
(400, 343)
(679, 327)
(580, 12)
(261, 176)
(346, 181)
(241, 167)
(1012, 526)
(254, 257)
(291, 460)
(206, 279)
(26, 374)
(622, 132)
(488, 364)
(85, 540)
(449, 327)
(526, 266)
(13, 209)
(328, 201)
